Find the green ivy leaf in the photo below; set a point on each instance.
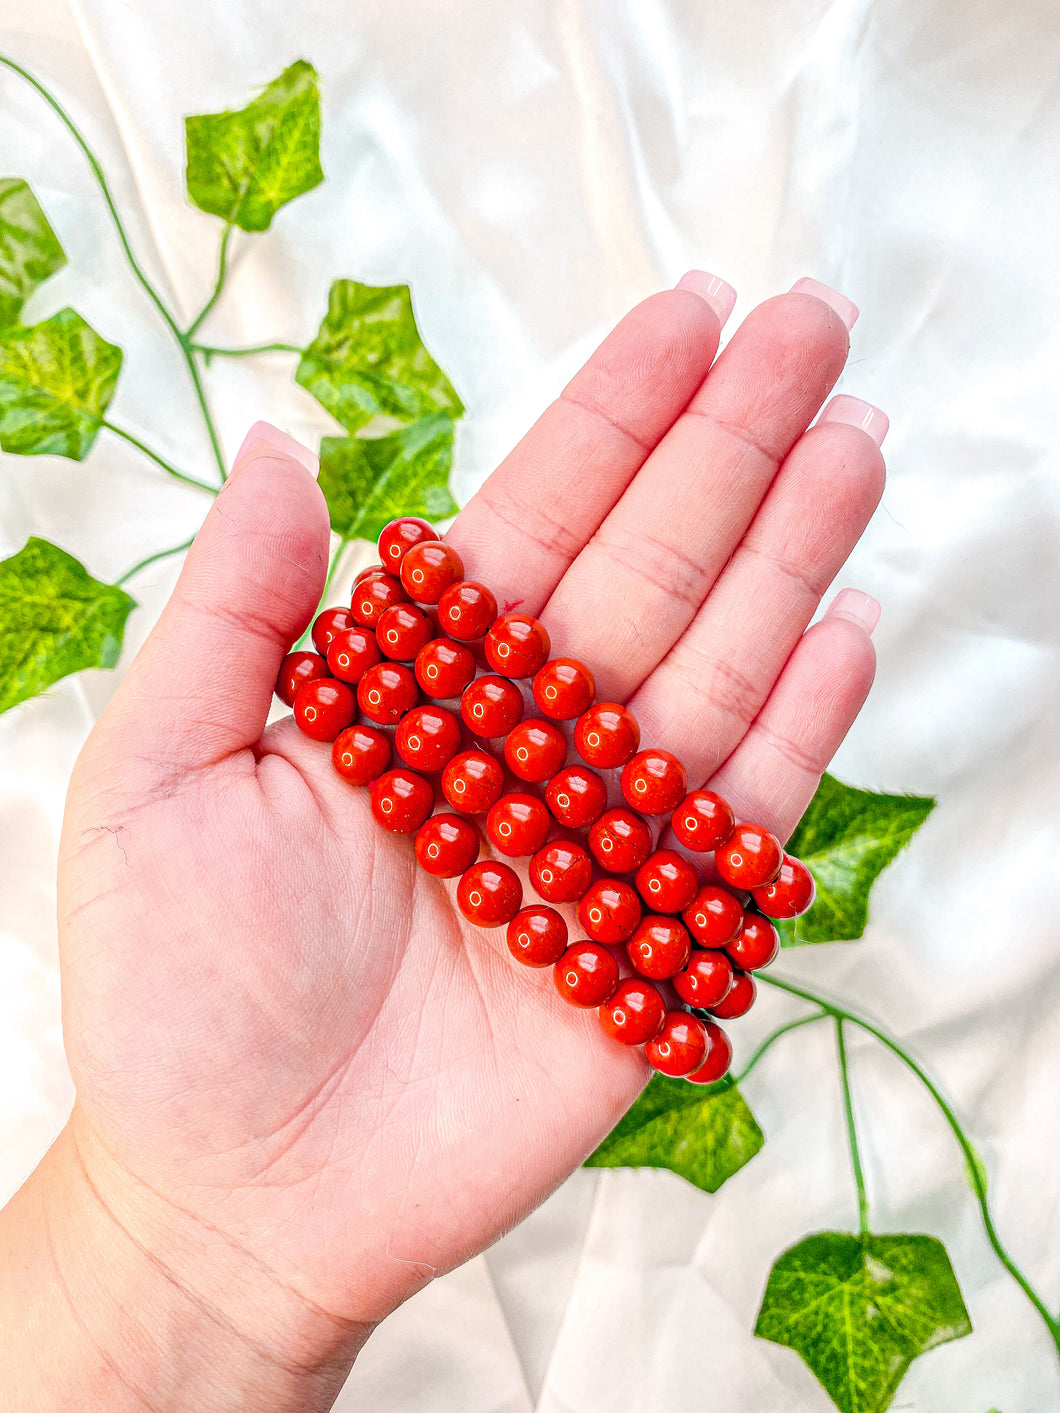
(704, 1133)
(859, 1311)
(56, 381)
(368, 481)
(847, 838)
(368, 359)
(54, 619)
(29, 251)
(244, 166)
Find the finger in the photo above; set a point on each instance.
(638, 583)
(723, 666)
(201, 686)
(773, 773)
(545, 500)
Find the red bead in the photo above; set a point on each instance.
(397, 538)
(750, 857)
(324, 707)
(563, 688)
(360, 754)
(352, 653)
(654, 782)
(430, 568)
(443, 669)
(719, 1056)
(491, 706)
(427, 737)
(586, 975)
(739, 999)
(466, 610)
(680, 1046)
(714, 916)
(537, 936)
(620, 841)
(635, 1012)
(446, 845)
(518, 825)
(561, 871)
(327, 624)
(790, 894)
(606, 735)
(489, 894)
(401, 800)
(373, 596)
(702, 821)
(472, 782)
(295, 669)
(576, 796)
(535, 750)
(371, 571)
(660, 947)
(756, 946)
(667, 882)
(403, 630)
(386, 692)
(609, 911)
(706, 979)
(517, 645)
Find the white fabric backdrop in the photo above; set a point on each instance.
(532, 170)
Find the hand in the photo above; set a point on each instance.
(304, 1083)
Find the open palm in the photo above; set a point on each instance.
(279, 1029)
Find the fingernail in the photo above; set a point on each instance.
(857, 414)
(712, 290)
(263, 436)
(860, 608)
(845, 308)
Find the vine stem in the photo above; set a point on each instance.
(222, 271)
(182, 339)
(852, 1132)
(153, 559)
(158, 460)
(771, 1039)
(975, 1173)
(209, 351)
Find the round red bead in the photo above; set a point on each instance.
(446, 845)
(401, 800)
(370, 571)
(537, 936)
(386, 692)
(489, 894)
(620, 841)
(535, 750)
(472, 782)
(518, 825)
(714, 916)
(563, 688)
(719, 1056)
(397, 538)
(561, 871)
(352, 653)
(373, 596)
(402, 631)
(750, 857)
(327, 624)
(606, 735)
(428, 569)
(491, 706)
(609, 911)
(586, 975)
(576, 796)
(295, 669)
(706, 979)
(443, 669)
(680, 1046)
(738, 1000)
(756, 946)
(517, 645)
(466, 610)
(324, 707)
(790, 894)
(427, 737)
(702, 821)
(654, 781)
(360, 754)
(667, 882)
(660, 947)
(635, 1012)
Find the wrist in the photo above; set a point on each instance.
(112, 1298)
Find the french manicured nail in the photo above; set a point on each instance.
(713, 291)
(845, 308)
(860, 608)
(263, 436)
(857, 414)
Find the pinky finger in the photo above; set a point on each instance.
(772, 774)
